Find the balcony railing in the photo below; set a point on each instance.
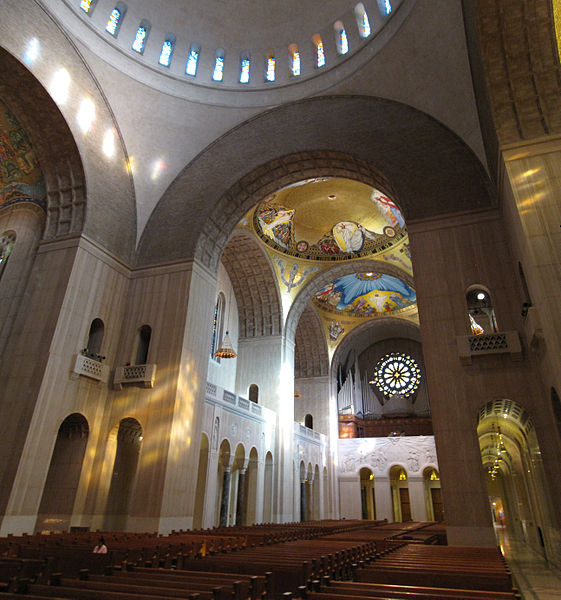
(503, 342)
(92, 368)
(144, 375)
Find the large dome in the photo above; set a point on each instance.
(297, 47)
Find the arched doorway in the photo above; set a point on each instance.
(123, 478)
(400, 494)
(518, 495)
(201, 483)
(367, 499)
(59, 493)
(433, 495)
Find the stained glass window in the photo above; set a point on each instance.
(363, 23)
(87, 5)
(113, 22)
(218, 71)
(397, 373)
(270, 68)
(166, 52)
(341, 40)
(294, 60)
(193, 60)
(386, 7)
(140, 39)
(244, 69)
(320, 53)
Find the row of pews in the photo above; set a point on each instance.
(324, 560)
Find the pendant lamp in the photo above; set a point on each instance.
(226, 349)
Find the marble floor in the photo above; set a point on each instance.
(535, 579)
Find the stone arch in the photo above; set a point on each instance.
(357, 137)
(311, 357)
(59, 493)
(255, 286)
(324, 277)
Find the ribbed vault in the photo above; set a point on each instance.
(310, 353)
(521, 64)
(256, 289)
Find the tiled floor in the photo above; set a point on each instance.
(533, 577)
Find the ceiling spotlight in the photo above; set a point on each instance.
(332, 196)
(481, 296)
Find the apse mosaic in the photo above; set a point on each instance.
(365, 295)
(329, 219)
(20, 175)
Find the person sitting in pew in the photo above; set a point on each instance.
(101, 548)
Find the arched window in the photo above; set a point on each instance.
(141, 36)
(115, 19)
(95, 339)
(341, 41)
(193, 60)
(362, 21)
(294, 60)
(143, 344)
(480, 311)
(270, 65)
(244, 67)
(87, 6)
(218, 71)
(167, 50)
(218, 325)
(7, 242)
(309, 421)
(254, 393)
(385, 7)
(319, 51)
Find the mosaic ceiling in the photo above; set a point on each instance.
(309, 226)
(20, 175)
(329, 219)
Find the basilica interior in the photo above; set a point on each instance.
(281, 264)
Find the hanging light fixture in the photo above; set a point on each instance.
(226, 350)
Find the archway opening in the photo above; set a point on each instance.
(400, 494)
(123, 478)
(57, 502)
(367, 498)
(433, 495)
(516, 484)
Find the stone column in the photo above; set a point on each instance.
(224, 501)
(383, 495)
(302, 501)
(417, 498)
(240, 508)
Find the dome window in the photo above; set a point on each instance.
(294, 60)
(385, 7)
(167, 50)
(218, 71)
(87, 6)
(141, 36)
(270, 67)
(362, 21)
(244, 67)
(341, 41)
(193, 60)
(115, 19)
(320, 52)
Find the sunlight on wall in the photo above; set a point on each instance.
(60, 85)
